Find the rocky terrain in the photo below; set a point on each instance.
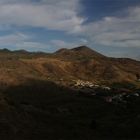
(72, 94)
(66, 65)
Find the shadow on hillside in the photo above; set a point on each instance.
(40, 110)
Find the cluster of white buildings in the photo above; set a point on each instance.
(81, 83)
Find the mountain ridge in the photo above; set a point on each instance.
(67, 64)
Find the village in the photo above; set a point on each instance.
(88, 84)
(108, 94)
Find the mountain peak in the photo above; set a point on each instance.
(78, 52)
(5, 50)
(86, 51)
(62, 50)
(81, 48)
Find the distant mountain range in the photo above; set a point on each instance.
(65, 65)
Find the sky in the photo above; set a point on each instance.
(111, 27)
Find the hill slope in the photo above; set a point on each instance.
(67, 64)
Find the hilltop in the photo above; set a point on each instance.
(82, 52)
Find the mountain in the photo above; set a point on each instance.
(67, 64)
(4, 50)
(37, 101)
(82, 52)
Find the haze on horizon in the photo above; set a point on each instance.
(111, 27)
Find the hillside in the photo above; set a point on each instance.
(67, 64)
(38, 102)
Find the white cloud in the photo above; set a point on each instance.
(64, 16)
(12, 39)
(21, 41)
(32, 46)
(57, 44)
(50, 14)
(115, 31)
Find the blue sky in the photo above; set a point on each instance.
(111, 27)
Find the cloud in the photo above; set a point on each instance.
(115, 31)
(21, 41)
(50, 14)
(32, 46)
(12, 39)
(57, 44)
